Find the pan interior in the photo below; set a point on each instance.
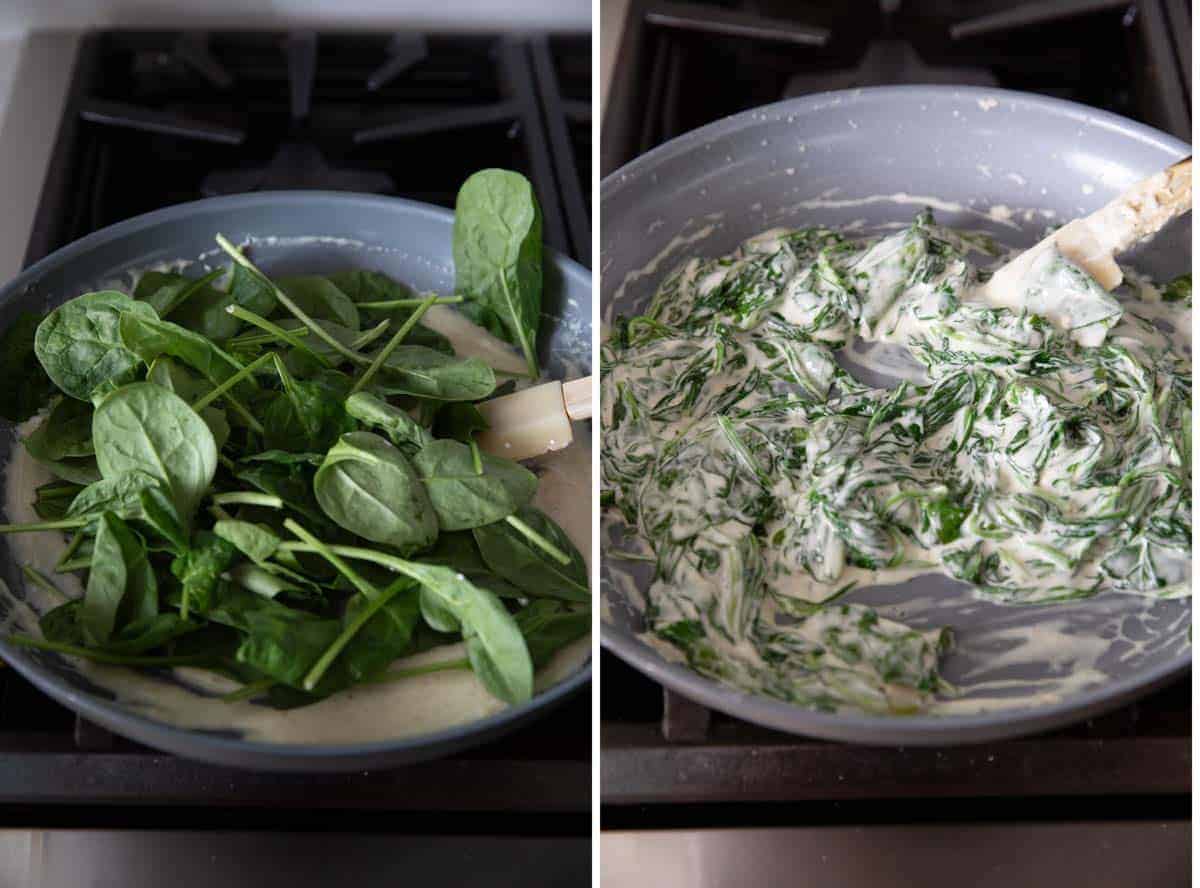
(289, 233)
(1006, 164)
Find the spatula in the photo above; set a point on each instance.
(535, 420)
(1092, 241)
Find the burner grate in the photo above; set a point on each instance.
(682, 65)
(229, 112)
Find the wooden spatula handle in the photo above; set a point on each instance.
(577, 398)
(1149, 205)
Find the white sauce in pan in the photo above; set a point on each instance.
(364, 713)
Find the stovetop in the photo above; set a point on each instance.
(157, 118)
(681, 65)
(669, 762)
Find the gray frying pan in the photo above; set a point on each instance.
(1003, 162)
(296, 232)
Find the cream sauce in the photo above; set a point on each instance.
(364, 713)
(1069, 660)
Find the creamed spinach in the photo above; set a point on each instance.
(1025, 460)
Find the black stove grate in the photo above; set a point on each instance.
(682, 65)
(157, 118)
(412, 115)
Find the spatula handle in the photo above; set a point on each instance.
(577, 398)
(1145, 208)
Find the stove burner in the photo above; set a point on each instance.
(885, 62)
(404, 51)
(296, 165)
(192, 49)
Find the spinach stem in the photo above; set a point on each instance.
(287, 303)
(476, 458)
(191, 289)
(410, 303)
(252, 339)
(538, 540)
(39, 579)
(42, 644)
(202, 402)
(249, 691)
(247, 498)
(360, 619)
(65, 557)
(368, 336)
(397, 338)
(369, 592)
(63, 524)
(278, 332)
(391, 562)
(526, 346)
(58, 490)
(414, 671)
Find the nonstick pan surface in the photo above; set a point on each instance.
(1002, 162)
(292, 232)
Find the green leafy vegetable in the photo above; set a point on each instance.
(121, 583)
(464, 498)
(143, 427)
(498, 253)
(510, 553)
(368, 487)
(80, 347)
(188, 448)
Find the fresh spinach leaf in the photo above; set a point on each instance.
(511, 554)
(150, 338)
(369, 286)
(291, 482)
(498, 253)
(80, 347)
(119, 494)
(320, 299)
(53, 499)
(549, 626)
(368, 487)
(199, 569)
(464, 498)
(457, 550)
(159, 512)
(143, 427)
(460, 421)
(406, 433)
(425, 373)
(251, 292)
(256, 541)
(121, 582)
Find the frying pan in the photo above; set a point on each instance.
(1003, 162)
(297, 232)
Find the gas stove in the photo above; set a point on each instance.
(682, 65)
(158, 118)
(671, 764)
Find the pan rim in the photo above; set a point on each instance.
(853, 726)
(204, 744)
